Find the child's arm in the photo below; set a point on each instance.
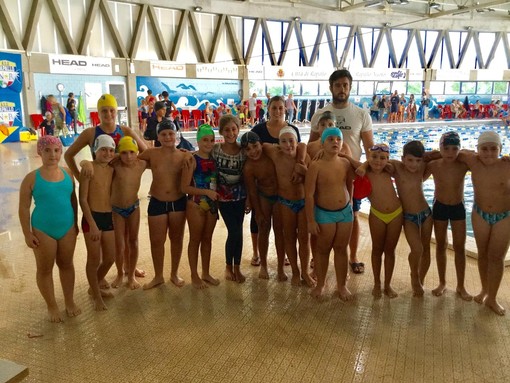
(354, 163)
(310, 186)
(270, 150)
(82, 141)
(25, 201)
(362, 169)
(251, 187)
(84, 203)
(300, 167)
(87, 169)
(74, 200)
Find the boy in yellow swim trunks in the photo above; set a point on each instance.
(385, 219)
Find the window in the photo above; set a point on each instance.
(366, 88)
(452, 87)
(500, 87)
(484, 87)
(468, 87)
(383, 88)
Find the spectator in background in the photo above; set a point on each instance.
(394, 101)
(290, 105)
(374, 108)
(252, 108)
(48, 124)
(382, 107)
(425, 103)
(58, 112)
(71, 107)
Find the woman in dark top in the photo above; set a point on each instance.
(269, 131)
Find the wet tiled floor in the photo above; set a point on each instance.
(259, 331)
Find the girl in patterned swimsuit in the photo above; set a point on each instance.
(199, 179)
(51, 236)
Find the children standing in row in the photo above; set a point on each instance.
(167, 205)
(199, 182)
(291, 198)
(329, 211)
(449, 173)
(51, 236)
(126, 213)
(97, 222)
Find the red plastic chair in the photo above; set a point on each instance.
(36, 120)
(186, 116)
(196, 117)
(447, 111)
(94, 118)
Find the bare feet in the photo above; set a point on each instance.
(439, 290)
(480, 298)
(229, 274)
(240, 278)
(495, 306)
(176, 280)
(282, 277)
(155, 282)
(118, 281)
(389, 292)
(417, 288)
(344, 294)
(296, 280)
(72, 310)
(210, 279)
(133, 284)
(310, 282)
(139, 273)
(255, 261)
(198, 283)
(54, 315)
(464, 294)
(104, 293)
(376, 291)
(263, 274)
(103, 284)
(316, 292)
(99, 304)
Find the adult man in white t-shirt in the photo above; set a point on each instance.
(356, 126)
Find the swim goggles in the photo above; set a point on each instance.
(382, 148)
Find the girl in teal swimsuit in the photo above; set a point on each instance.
(51, 235)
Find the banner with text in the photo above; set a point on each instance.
(70, 64)
(11, 84)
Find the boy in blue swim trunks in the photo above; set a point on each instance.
(291, 202)
(126, 213)
(51, 231)
(329, 212)
(449, 173)
(260, 180)
(490, 175)
(408, 175)
(97, 221)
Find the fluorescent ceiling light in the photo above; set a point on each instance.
(373, 4)
(435, 5)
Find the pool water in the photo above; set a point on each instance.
(429, 136)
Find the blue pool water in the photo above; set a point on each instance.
(429, 136)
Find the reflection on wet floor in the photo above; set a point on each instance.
(259, 331)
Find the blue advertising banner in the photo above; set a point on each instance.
(191, 93)
(10, 95)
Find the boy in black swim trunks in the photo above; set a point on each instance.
(126, 213)
(449, 173)
(97, 222)
(167, 206)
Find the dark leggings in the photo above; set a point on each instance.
(233, 215)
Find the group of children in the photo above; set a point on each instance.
(308, 203)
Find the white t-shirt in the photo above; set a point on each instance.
(252, 103)
(352, 121)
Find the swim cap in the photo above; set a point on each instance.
(249, 138)
(127, 144)
(288, 129)
(166, 124)
(489, 136)
(204, 130)
(450, 138)
(106, 100)
(47, 140)
(362, 187)
(103, 141)
(331, 132)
